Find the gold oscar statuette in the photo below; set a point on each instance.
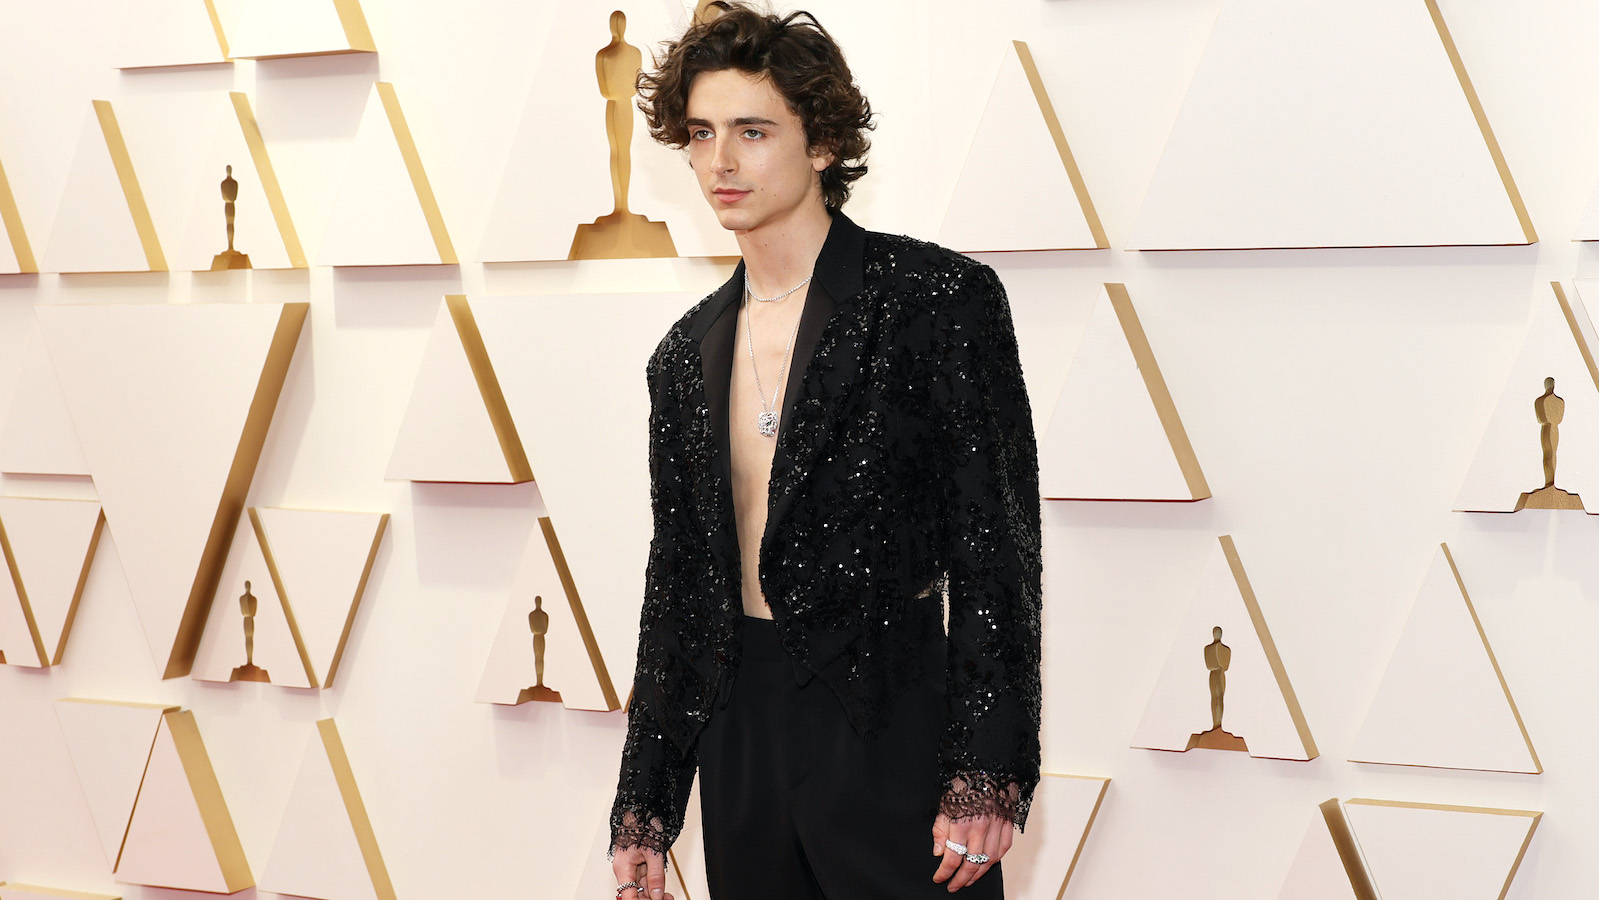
(229, 258)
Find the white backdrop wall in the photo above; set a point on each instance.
(1335, 399)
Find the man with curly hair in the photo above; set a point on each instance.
(840, 628)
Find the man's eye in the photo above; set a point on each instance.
(754, 133)
(700, 134)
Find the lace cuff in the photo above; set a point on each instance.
(628, 832)
(974, 794)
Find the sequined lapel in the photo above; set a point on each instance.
(812, 397)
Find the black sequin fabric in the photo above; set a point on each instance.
(906, 459)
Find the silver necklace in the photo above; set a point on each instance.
(779, 296)
(766, 423)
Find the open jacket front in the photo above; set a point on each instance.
(905, 472)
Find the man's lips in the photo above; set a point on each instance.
(729, 195)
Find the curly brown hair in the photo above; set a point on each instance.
(800, 59)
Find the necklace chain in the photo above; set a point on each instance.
(756, 296)
(766, 423)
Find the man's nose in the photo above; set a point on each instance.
(723, 160)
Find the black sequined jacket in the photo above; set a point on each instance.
(905, 459)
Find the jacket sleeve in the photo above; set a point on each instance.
(989, 755)
(656, 776)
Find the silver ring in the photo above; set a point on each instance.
(955, 847)
(977, 859)
(630, 886)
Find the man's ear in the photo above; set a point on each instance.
(821, 159)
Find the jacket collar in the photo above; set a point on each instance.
(840, 270)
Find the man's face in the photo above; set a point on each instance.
(749, 152)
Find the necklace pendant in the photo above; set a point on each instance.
(767, 423)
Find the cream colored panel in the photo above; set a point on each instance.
(51, 545)
(385, 214)
(20, 641)
(565, 666)
(293, 28)
(449, 432)
(99, 227)
(35, 892)
(1588, 224)
(1115, 434)
(109, 742)
(323, 559)
(276, 654)
(325, 846)
(1259, 708)
(1510, 465)
(534, 216)
(1328, 865)
(234, 141)
(172, 404)
(1419, 851)
(181, 835)
(1312, 124)
(170, 33)
(16, 253)
(593, 467)
(1040, 863)
(39, 438)
(1443, 701)
(1020, 188)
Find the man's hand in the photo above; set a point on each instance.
(990, 835)
(643, 866)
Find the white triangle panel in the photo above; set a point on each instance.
(163, 398)
(1509, 461)
(109, 742)
(204, 225)
(181, 835)
(1041, 861)
(1106, 439)
(293, 28)
(52, 543)
(16, 253)
(1443, 701)
(1318, 871)
(1015, 191)
(322, 843)
(39, 438)
(1310, 124)
(168, 33)
(324, 558)
(446, 434)
(568, 668)
(593, 470)
(222, 646)
(1588, 224)
(1418, 851)
(381, 215)
(534, 216)
(1258, 703)
(94, 229)
(20, 641)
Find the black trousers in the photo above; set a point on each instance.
(796, 805)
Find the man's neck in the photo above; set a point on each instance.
(781, 254)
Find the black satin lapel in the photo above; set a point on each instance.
(818, 311)
(816, 398)
(716, 367)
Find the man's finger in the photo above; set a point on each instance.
(1000, 837)
(655, 876)
(957, 834)
(977, 840)
(940, 832)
